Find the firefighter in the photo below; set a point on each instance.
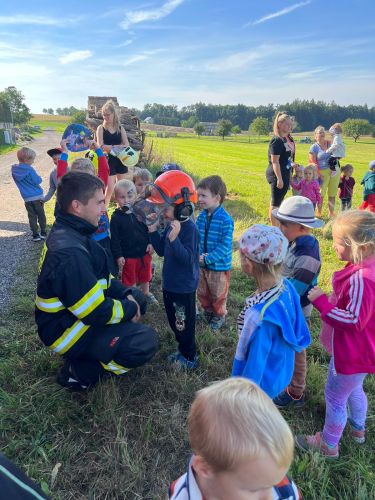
(82, 312)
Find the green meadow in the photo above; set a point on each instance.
(127, 438)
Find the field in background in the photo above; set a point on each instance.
(127, 437)
(55, 122)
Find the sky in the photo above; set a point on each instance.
(185, 51)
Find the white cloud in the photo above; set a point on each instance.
(77, 55)
(279, 13)
(125, 44)
(140, 16)
(30, 19)
(134, 59)
(305, 74)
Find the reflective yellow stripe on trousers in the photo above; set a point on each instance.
(114, 367)
(69, 337)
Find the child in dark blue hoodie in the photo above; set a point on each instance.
(271, 326)
(174, 192)
(28, 183)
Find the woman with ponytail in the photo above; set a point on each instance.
(281, 152)
(108, 135)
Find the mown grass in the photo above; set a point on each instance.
(127, 437)
(55, 122)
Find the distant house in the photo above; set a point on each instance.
(209, 128)
(149, 120)
(7, 135)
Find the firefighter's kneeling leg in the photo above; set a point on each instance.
(115, 349)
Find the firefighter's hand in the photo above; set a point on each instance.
(150, 249)
(176, 228)
(314, 293)
(136, 316)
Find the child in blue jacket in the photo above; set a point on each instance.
(271, 326)
(28, 183)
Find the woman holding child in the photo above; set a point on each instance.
(318, 156)
(281, 152)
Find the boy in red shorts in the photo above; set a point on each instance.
(130, 242)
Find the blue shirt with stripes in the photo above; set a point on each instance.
(216, 234)
(302, 265)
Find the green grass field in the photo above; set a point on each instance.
(55, 122)
(6, 148)
(127, 437)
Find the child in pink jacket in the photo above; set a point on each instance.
(309, 185)
(348, 332)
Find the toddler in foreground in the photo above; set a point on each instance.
(242, 446)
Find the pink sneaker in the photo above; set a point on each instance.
(358, 436)
(316, 443)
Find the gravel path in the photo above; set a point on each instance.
(15, 234)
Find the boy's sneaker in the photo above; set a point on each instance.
(358, 435)
(217, 322)
(208, 316)
(285, 400)
(316, 443)
(151, 299)
(43, 236)
(181, 362)
(37, 237)
(67, 379)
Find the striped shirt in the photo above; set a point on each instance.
(216, 234)
(302, 265)
(256, 298)
(187, 488)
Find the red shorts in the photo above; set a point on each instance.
(137, 270)
(369, 204)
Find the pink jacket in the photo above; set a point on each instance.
(309, 189)
(350, 312)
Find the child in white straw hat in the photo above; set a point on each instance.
(271, 326)
(301, 266)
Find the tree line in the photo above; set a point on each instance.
(308, 113)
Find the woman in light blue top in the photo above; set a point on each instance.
(319, 157)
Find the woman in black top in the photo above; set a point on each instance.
(110, 134)
(281, 152)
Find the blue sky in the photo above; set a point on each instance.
(185, 51)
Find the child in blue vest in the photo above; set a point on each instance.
(271, 326)
(215, 227)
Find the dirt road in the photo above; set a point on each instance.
(15, 235)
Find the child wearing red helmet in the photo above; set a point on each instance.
(175, 192)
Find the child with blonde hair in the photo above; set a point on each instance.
(28, 183)
(336, 149)
(348, 332)
(242, 446)
(130, 241)
(297, 177)
(309, 185)
(271, 326)
(346, 186)
(141, 177)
